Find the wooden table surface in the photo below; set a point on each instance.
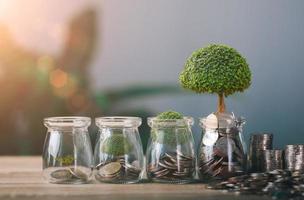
(20, 178)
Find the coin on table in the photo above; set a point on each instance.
(62, 174)
(110, 168)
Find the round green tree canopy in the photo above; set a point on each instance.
(216, 69)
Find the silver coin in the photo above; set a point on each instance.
(225, 145)
(62, 174)
(136, 164)
(162, 172)
(181, 156)
(165, 165)
(77, 173)
(111, 168)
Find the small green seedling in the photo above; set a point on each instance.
(170, 135)
(116, 144)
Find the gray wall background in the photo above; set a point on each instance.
(147, 42)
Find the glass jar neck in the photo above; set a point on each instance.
(154, 122)
(118, 122)
(221, 121)
(67, 123)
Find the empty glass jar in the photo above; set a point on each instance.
(67, 152)
(170, 153)
(118, 151)
(222, 151)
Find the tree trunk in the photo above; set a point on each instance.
(221, 103)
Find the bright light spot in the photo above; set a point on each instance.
(68, 89)
(58, 78)
(5, 6)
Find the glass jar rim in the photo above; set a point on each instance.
(170, 122)
(235, 121)
(67, 121)
(118, 121)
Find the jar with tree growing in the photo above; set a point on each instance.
(222, 70)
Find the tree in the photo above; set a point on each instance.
(216, 69)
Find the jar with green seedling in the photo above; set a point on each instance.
(222, 70)
(170, 153)
(118, 150)
(67, 153)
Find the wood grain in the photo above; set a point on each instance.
(20, 178)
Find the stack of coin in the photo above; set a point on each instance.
(279, 184)
(258, 143)
(272, 160)
(130, 171)
(109, 171)
(68, 175)
(118, 170)
(172, 167)
(224, 159)
(294, 157)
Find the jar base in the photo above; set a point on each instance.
(154, 180)
(119, 181)
(73, 182)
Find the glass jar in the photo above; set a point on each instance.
(170, 153)
(118, 150)
(222, 151)
(67, 152)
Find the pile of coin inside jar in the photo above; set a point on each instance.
(171, 156)
(222, 152)
(172, 167)
(276, 173)
(67, 175)
(118, 171)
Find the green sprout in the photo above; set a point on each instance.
(170, 135)
(170, 115)
(216, 69)
(66, 160)
(116, 144)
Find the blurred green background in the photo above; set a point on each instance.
(112, 57)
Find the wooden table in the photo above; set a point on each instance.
(20, 178)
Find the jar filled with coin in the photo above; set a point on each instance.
(67, 153)
(118, 151)
(222, 152)
(170, 153)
